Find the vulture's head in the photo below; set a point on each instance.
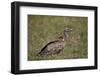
(67, 29)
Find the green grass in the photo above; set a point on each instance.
(43, 29)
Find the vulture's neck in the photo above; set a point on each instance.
(65, 36)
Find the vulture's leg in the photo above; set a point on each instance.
(59, 51)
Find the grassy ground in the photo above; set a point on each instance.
(43, 29)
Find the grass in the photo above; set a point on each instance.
(43, 29)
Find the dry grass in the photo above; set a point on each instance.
(43, 29)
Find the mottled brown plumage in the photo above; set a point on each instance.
(55, 47)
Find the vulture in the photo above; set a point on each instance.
(55, 47)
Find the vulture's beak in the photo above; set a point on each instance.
(70, 29)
